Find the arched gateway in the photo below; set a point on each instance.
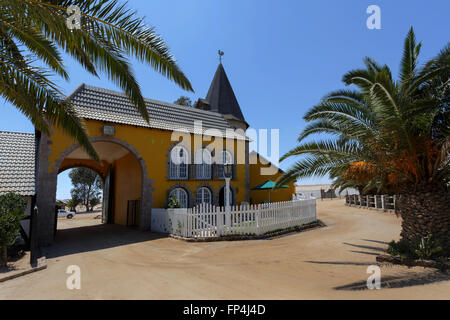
(122, 169)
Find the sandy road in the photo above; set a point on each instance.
(325, 263)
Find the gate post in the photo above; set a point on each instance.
(45, 194)
(34, 247)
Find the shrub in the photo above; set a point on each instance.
(73, 203)
(400, 248)
(94, 202)
(425, 248)
(174, 202)
(428, 248)
(12, 207)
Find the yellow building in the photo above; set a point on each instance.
(262, 170)
(180, 152)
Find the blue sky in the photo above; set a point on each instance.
(281, 56)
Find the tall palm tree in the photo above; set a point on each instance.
(388, 135)
(34, 33)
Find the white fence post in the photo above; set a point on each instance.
(220, 221)
(315, 211)
(258, 219)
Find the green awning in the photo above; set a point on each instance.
(269, 184)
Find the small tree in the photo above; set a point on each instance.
(183, 101)
(94, 202)
(72, 203)
(12, 207)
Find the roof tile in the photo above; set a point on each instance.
(17, 152)
(111, 106)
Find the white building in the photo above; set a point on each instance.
(316, 191)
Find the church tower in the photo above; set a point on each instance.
(221, 99)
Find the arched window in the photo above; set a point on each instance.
(203, 195)
(203, 163)
(179, 160)
(224, 158)
(181, 195)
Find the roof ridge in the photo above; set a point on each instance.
(77, 89)
(17, 132)
(102, 104)
(168, 104)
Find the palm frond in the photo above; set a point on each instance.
(410, 57)
(109, 35)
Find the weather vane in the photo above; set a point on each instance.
(221, 53)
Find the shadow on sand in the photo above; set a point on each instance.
(402, 281)
(376, 241)
(408, 279)
(365, 247)
(375, 252)
(92, 238)
(348, 263)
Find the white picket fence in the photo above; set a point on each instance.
(208, 221)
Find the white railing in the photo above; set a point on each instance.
(377, 202)
(302, 196)
(208, 221)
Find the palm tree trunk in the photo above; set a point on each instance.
(3, 256)
(426, 211)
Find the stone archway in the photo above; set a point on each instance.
(47, 181)
(75, 164)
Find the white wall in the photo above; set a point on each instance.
(160, 220)
(316, 193)
(163, 219)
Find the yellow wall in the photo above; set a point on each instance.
(260, 196)
(153, 145)
(127, 186)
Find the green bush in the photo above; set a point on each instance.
(400, 248)
(428, 248)
(174, 202)
(12, 207)
(424, 248)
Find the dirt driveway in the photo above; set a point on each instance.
(326, 263)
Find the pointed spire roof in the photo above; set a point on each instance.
(221, 96)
